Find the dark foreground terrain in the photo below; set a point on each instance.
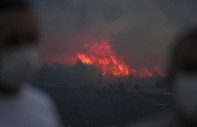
(98, 108)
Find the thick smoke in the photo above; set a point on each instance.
(139, 30)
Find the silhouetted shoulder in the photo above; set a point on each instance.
(36, 95)
(39, 100)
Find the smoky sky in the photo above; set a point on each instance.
(140, 30)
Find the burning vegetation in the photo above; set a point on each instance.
(103, 57)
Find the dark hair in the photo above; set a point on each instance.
(7, 5)
(190, 36)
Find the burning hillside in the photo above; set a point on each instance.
(102, 56)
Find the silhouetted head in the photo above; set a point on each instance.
(17, 22)
(18, 39)
(183, 76)
(184, 55)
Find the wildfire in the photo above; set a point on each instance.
(105, 58)
(102, 56)
(145, 72)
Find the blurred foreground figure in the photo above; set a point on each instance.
(183, 83)
(183, 80)
(20, 104)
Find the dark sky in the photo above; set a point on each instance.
(140, 30)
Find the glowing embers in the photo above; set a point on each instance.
(146, 72)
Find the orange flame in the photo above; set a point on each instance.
(145, 72)
(103, 57)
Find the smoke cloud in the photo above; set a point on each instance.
(142, 31)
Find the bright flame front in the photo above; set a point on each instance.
(105, 58)
(102, 56)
